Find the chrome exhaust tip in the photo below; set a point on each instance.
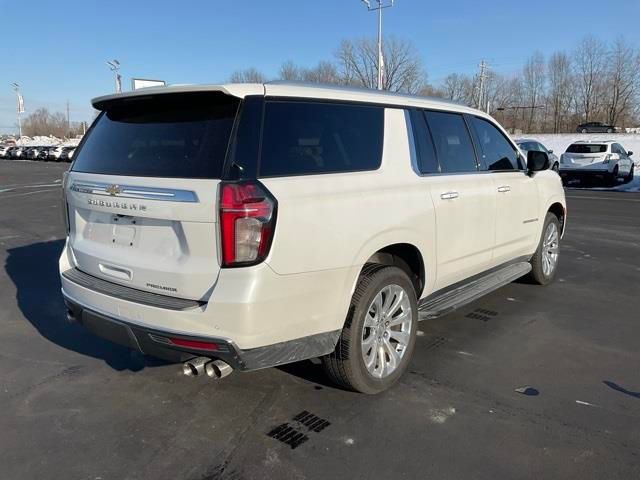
(218, 369)
(195, 366)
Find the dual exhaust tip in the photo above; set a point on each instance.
(215, 369)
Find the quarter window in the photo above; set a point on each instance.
(427, 161)
(306, 138)
(497, 153)
(452, 142)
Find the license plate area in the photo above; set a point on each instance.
(124, 230)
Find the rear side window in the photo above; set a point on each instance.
(496, 151)
(452, 141)
(306, 138)
(586, 148)
(171, 135)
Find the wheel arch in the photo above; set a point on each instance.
(407, 257)
(560, 212)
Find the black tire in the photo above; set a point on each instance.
(612, 178)
(346, 366)
(556, 168)
(629, 177)
(537, 274)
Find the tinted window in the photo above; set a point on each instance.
(427, 162)
(312, 138)
(177, 135)
(615, 148)
(452, 142)
(496, 151)
(586, 148)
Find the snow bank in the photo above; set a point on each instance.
(41, 141)
(559, 143)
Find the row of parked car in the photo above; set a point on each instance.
(43, 153)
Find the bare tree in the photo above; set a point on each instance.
(42, 122)
(559, 88)
(290, 71)
(455, 87)
(622, 80)
(589, 64)
(358, 65)
(324, 72)
(250, 75)
(534, 76)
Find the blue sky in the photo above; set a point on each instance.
(57, 50)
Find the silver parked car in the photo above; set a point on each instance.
(531, 145)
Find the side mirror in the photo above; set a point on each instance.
(550, 152)
(629, 153)
(537, 161)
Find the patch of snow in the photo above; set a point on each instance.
(441, 415)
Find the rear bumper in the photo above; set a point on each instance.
(584, 172)
(157, 343)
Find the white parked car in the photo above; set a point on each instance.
(283, 222)
(531, 145)
(606, 160)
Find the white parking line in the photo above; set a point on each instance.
(26, 193)
(606, 198)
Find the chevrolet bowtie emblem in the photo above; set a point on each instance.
(113, 190)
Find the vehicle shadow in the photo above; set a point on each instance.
(620, 389)
(34, 271)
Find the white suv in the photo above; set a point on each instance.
(606, 160)
(246, 226)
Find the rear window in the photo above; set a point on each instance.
(177, 135)
(586, 148)
(305, 138)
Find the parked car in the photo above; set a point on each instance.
(54, 153)
(605, 160)
(4, 149)
(43, 153)
(19, 153)
(596, 127)
(10, 153)
(32, 153)
(66, 154)
(336, 218)
(530, 145)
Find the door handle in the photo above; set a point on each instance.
(449, 195)
(504, 189)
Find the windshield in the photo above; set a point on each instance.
(178, 135)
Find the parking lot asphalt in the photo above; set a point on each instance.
(74, 406)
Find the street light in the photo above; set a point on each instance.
(381, 6)
(114, 65)
(19, 107)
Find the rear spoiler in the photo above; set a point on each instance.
(239, 90)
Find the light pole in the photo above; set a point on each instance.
(114, 65)
(381, 6)
(19, 107)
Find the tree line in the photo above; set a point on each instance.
(596, 81)
(42, 122)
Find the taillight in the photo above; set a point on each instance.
(247, 222)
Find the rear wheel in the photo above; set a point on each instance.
(378, 337)
(544, 262)
(613, 176)
(629, 177)
(556, 168)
